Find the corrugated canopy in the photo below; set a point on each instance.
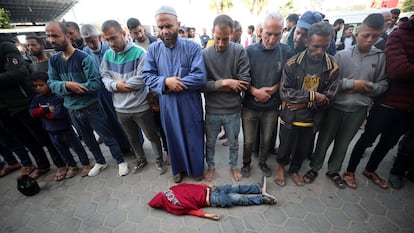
(36, 11)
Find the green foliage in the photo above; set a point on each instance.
(4, 18)
(408, 6)
(255, 6)
(221, 6)
(288, 8)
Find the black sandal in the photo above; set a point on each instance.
(310, 176)
(337, 179)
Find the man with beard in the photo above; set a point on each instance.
(174, 68)
(74, 75)
(138, 33)
(75, 35)
(36, 47)
(297, 38)
(309, 83)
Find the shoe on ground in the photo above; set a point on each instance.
(159, 164)
(245, 170)
(96, 169)
(139, 165)
(72, 171)
(9, 168)
(178, 177)
(395, 181)
(262, 184)
(85, 170)
(265, 170)
(123, 169)
(268, 199)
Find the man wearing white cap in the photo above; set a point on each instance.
(175, 69)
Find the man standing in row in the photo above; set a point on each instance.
(228, 77)
(175, 69)
(73, 74)
(121, 71)
(262, 101)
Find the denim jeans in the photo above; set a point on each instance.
(65, 139)
(232, 195)
(254, 122)
(86, 121)
(133, 123)
(231, 124)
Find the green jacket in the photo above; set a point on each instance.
(16, 89)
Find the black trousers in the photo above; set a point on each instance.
(405, 156)
(294, 146)
(30, 132)
(391, 124)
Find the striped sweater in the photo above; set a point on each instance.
(125, 65)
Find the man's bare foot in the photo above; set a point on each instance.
(236, 174)
(208, 176)
(280, 175)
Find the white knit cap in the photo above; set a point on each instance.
(166, 10)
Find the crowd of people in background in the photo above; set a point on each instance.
(316, 82)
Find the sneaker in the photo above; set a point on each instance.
(268, 199)
(139, 165)
(245, 170)
(262, 184)
(395, 181)
(123, 169)
(159, 164)
(96, 169)
(265, 169)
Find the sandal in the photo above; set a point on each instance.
(9, 168)
(85, 170)
(297, 179)
(310, 176)
(72, 171)
(26, 170)
(336, 178)
(38, 173)
(178, 177)
(375, 178)
(60, 173)
(349, 179)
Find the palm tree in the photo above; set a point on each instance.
(221, 6)
(255, 6)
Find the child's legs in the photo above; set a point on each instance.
(73, 141)
(58, 141)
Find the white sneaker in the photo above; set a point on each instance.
(96, 169)
(123, 169)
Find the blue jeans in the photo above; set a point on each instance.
(232, 194)
(258, 122)
(86, 121)
(65, 139)
(231, 124)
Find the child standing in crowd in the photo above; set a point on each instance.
(49, 108)
(153, 101)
